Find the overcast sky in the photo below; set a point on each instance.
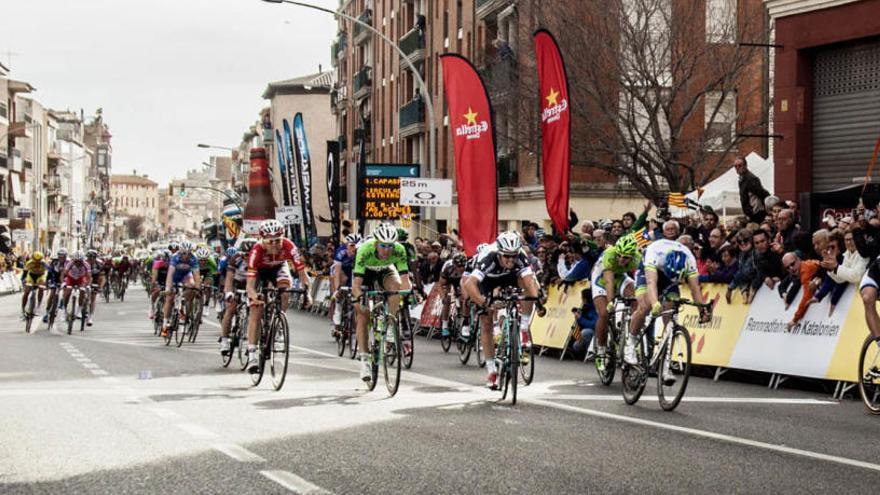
(168, 73)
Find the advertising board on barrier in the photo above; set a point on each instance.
(430, 314)
(713, 343)
(553, 330)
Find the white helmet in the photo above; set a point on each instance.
(77, 256)
(385, 233)
(353, 238)
(186, 247)
(481, 247)
(61, 252)
(509, 243)
(271, 229)
(173, 246)
(203, 252)
(245, 244)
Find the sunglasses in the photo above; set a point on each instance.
(385, 246)
(508, 256)
(745, 241)
(273, 241)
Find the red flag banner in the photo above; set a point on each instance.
(555, 127)
(470, 118)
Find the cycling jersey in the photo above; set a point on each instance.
(238, 265)
(367, 259)
(161, 267)
(55, 269)
(489, 266)
(36, 268)
(346, 261)
(185, 263)
(450, 274)
(261, 259)
(121, 265)
(655, 260)
(609, 261)
(208, 267)
(76, 272)
(96, 267)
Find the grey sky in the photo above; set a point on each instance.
(168, 73)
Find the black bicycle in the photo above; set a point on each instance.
(78, 308)
(508, 347)
(274, 338)
(668, 356)
(238, 332)
(346, 338)
(869, 374)
(30, 308)
(384, 339)
(618, 328)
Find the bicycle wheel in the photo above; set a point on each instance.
(406, 330)
(374, 343)
(84, 315)
(465, 346)
(392, 356)
(52, 308)
(869, 374)
(158, 308)
(261, 367)
(279, 344)
(478, 346)
(29, 311)
(445, 342)
(527, 363)
(195, 319)
(241, 341)
(635, 377)
(181, 330)
(513, 346)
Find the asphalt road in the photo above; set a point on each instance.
(112, 410)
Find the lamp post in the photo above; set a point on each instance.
(211, 146)
(432, 130)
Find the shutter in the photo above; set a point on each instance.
(846, 114)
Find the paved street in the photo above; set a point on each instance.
(113, 410)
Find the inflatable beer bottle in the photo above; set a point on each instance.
(260, 204)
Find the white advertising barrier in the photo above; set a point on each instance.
(323, 292)
(764, 343)
(5, 284)
(416, 311)
(425, 192)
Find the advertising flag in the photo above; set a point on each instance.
(555, 127)
(292, 175)
(333, 186)
(285, 191)
(470, 117)
(304, 162)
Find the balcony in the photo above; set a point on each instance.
(362, 34)
(334, 53)
(487, 8)
(413, 45)
(507, 173)
(362, 83)
(338, 50)
(362, 134)
(343, 142)
(334, 101)
(20, 130)
(412, 118)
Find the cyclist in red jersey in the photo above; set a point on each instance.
(268, 264)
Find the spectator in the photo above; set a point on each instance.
(687, 241)
(767, 262)
(602, 239)
(585, 319)
(751, 192)
(820, 242)
(529, 235)
(786, 230)
(716, 240)
(747, 271)
(671, 230)
(832, 256)
(573, 266)
(724, 266)
(587, 228)
(617, 229)
(429, 269)
(802, 271)
(631, 223)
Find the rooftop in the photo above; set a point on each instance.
(137, 180)
(321, 82)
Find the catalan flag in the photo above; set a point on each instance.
(642, 237)
(677, 199)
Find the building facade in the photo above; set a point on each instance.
(134, 202)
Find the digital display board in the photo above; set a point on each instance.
(380, 191)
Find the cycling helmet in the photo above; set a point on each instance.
(62, 252)
(353, 238)
(37, 256)
(605, 224)
(166, 254)
(203, 252)
(245, 244)
(77, 256)
(230, 252)
(385, 233)
(482, 247)
(92, 253)
(271, 229)
(626, 246)
(173, 246)
(508, 243)
(186, 247)
(459, 260)
(675, 265)
(402, 234)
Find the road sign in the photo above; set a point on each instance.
(22, 212)
(20, 235)
(288, 215)
(425, 192)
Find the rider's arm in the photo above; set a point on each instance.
(197, 277)
(169, 280)
(304, 279)
(356, 287)
(336, 278)
(228, 282)
(608, 279)
(472, 289)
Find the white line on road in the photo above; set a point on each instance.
(197, 431)
(164, 413)
(738, 400)
(84, 360)
(99, 372)
(90, 365)
(237, 452)
(707, 434)
(293, 482)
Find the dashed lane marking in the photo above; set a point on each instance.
(293, 482)
(237, 452)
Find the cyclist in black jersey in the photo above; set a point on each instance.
(450, 286)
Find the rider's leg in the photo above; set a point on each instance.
(601, 304)
(24, 297)
(361, 317)
(227, 317)
(529, 287)
(869, 298)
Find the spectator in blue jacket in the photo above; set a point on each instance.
(584, 326)
(573, 266)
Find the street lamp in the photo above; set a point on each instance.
(211, 146)
(422, 86)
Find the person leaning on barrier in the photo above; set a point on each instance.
(767, 261)
(804, 271)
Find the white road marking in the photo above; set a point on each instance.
(84, 360)
(740, 400)
(89, 365)
(164, 413)
(707, 434)
(99, 372)
(197, 431)
(293, 482)
(237, 452)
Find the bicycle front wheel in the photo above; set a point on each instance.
(513, 357)
(674, 369)
(279, 344)
(392, 357)
(635, 377)
(869, 374)
(29, 312)
(527, 363)
(195, 319)
(407, 335)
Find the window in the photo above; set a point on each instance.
(645, 41)
(720, 21)
(720, 120)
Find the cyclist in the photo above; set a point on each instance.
(268, 264)
(220, 279)
(99, 271)
(666, 264)
(502, 265)
(611, 276)
(412, 257)
(158, 278)
(343, 264)
(53, 278)
(381, 261)
(207, 266)
(182, 269)
(34, 273)
(77, 273)
(450, 286)
(122, 268)
(234, 278)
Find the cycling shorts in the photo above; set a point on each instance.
(489, 284)
(275, 275)
(75, 282)
(664, 285)
(184, 277)
(376, 279)
(30, 278)
(597, 284)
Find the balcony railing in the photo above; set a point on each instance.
(413, 44)
(412, 118)
(362, 83)
(362, 133)
(361, 34)
(341, 45)
(334, 99)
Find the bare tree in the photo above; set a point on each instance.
(135, 227)
(662, 92)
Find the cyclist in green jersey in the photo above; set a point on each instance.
(381, 261)
(207, 265)
(611, 276)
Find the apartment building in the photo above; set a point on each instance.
(134, 198)
(377, 100)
